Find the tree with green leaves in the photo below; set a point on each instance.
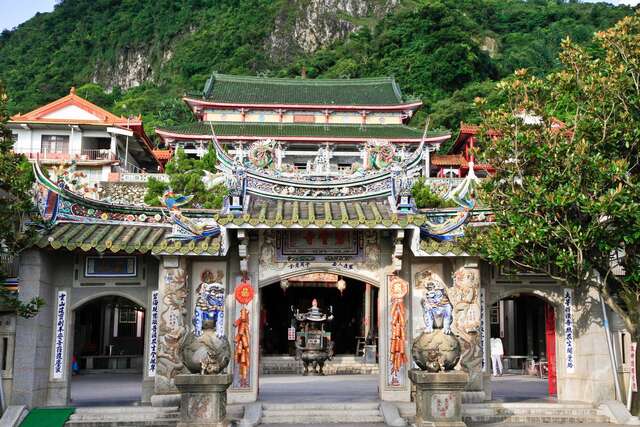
(566, 195)
(16, 179)
(185, 177)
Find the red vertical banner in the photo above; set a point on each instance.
(242, 356)
(550, 334)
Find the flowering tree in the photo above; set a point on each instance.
(566, 195)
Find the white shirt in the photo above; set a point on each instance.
(496, 347)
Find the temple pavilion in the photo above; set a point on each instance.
(320, 174)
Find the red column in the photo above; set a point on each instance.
(550, 334)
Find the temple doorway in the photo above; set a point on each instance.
(108, 347)
(352, 333)
(523, 326)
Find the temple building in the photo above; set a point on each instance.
(319, 214)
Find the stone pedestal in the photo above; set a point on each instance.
(203, 400)
(439, 397)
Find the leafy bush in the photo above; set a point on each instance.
(185, 177)
(425, 198)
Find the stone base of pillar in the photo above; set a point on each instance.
(203, 400)
(439, 398)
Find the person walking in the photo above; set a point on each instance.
(497, 351)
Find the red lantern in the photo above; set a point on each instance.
(244, 293)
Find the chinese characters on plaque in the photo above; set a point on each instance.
(61, 319)
(482, 330)
(153, 335)
(567, 302)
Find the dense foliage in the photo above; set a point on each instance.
(445, 52)
(424, 197)
(15, 204)
(567, 200)
(185, 177)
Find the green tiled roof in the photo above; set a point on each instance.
(263, 90)
(277, 130)
(434, 248)
(287, 213)
(123, 238)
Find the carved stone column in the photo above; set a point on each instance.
(172, 327)
(465, 299)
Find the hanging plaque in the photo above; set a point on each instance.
(568, 331)
(61, 319)
(153, 335)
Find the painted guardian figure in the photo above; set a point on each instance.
(436, 304)
(209, 305)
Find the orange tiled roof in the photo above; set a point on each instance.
(163, 154)
(103, 117)
(448, 160)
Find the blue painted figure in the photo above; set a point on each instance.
(435, 303)
(209, 307)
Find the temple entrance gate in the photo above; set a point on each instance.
(525, 324)
(350, 335)
(359, 257)
(107, 351)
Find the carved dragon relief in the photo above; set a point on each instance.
(171, 328)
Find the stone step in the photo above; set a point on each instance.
(318, 413)
(334, 418)
(534, 419)
(337, 406)
(522, 413)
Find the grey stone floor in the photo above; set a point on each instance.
(106, 389)
(312, 389)
(125, 389)
(519, 388)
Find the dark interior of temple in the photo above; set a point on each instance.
(105, 328)
(523, 326)
(348, 311)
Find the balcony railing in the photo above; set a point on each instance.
(82, 155)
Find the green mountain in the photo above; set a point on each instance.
(140, 56)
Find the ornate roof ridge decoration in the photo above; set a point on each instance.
(58, 205)
(395, 178)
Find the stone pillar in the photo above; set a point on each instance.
(439, 398)
(172, 327)
(203, 400)
(465, 299)
(33, 347)
(367, 309)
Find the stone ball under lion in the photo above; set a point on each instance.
(195, 350)
(436, 345)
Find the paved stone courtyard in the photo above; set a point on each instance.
(106, 389)
(125, 389)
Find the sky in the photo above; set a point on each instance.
(15, 12)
